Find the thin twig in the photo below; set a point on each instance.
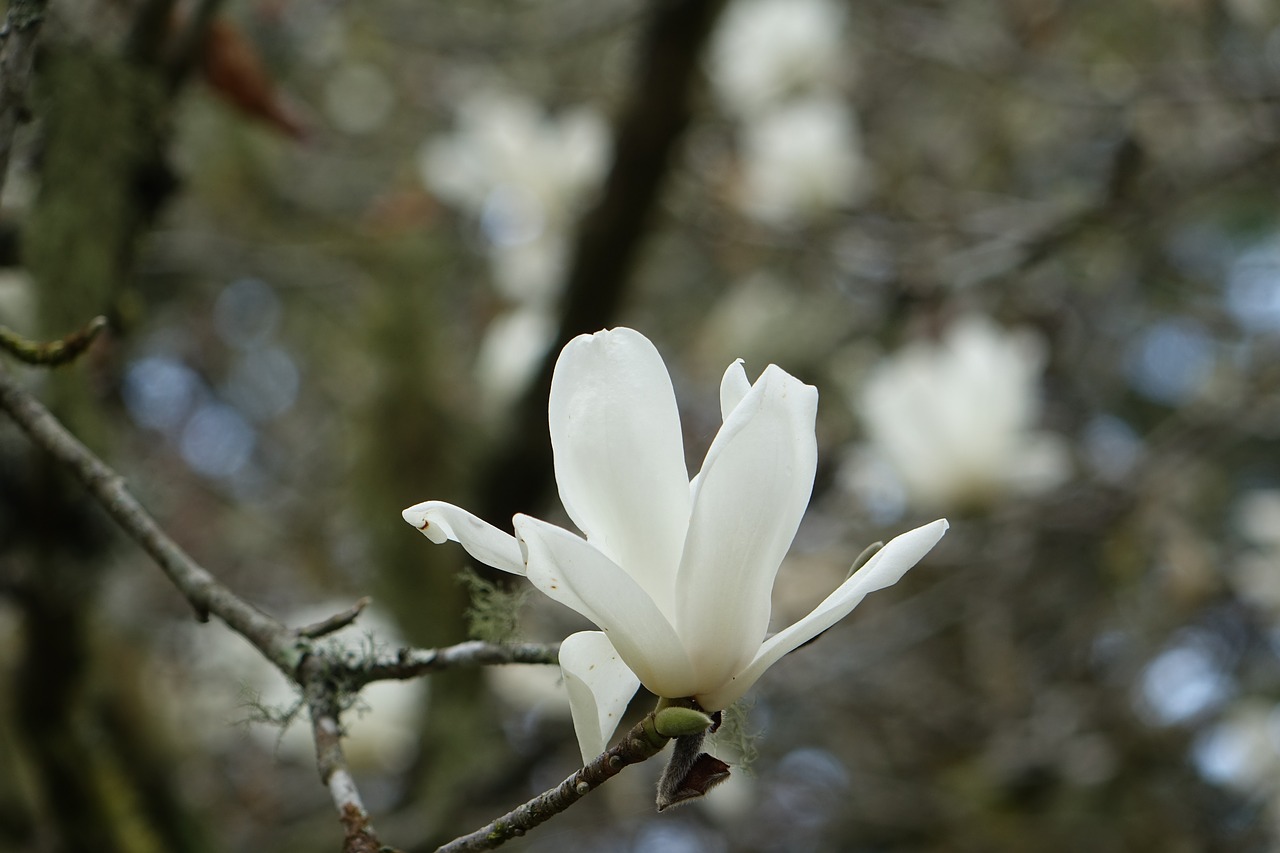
(51, 353)
(1123, 201)
(640, 744)
(17, 55)
(336, 622)
(411, 663)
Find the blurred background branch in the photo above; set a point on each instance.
(656, 113)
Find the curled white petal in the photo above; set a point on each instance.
(619, 454)
(571, 571)
(885, 568)
(440, 521)
(600, 686)
(751, 494)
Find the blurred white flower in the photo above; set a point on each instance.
(1242, 750)
(766, 50)
(1255, 573)
(955, 418)
(800, 161)
(525, 175)
(513, 347)
(677, 574)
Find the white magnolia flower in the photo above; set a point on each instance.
(766, 50)
(955, 418)
(524, 175)
(505, 141)
(677, 574)
(801, 161)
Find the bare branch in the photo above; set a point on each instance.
(51, 353)
(326, 729)
(1123, 201)
(336, 622)
(658, 110)
(17, 55)
(206, 594)
(323, 675)
(640, 744)
(410, 663)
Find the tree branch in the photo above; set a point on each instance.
(410, 663)
(51, 353)
(640, 744)
(326, 729)
(336, 622)
(658, 111)
(206, 594)
(324, 675)
(1124, 201)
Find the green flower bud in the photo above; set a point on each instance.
(675, 721)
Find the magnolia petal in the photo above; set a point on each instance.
(619, 454)
(600, 687)
(885, 568)
(440, 521)
(733, 387)
(751, 494)
(574, 573)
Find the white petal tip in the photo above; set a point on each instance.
(891, 562)
(418, 516)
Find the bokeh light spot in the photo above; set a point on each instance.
(217, 441)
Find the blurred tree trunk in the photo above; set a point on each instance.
(101, 784)
(412, 449)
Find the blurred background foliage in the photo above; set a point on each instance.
(1028, 251)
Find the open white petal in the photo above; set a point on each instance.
(571, 571)
(750, 497)
(440, 521)
(600, 686)
(619, 454)
(885, 568)
(733, 387)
